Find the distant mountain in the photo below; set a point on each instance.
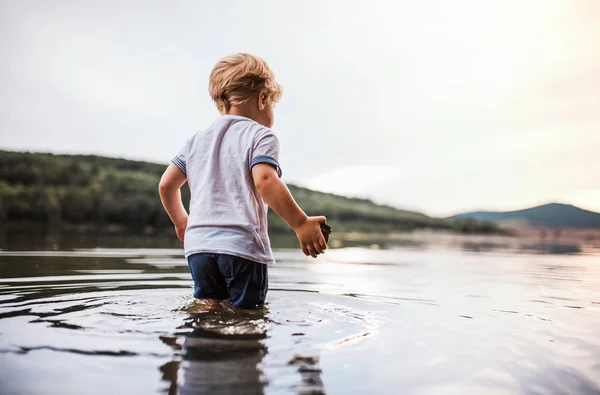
(553, 215)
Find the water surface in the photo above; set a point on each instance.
(411, 317)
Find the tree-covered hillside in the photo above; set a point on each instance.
(57, 190)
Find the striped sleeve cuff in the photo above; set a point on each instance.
(266, 159)
(179, 163)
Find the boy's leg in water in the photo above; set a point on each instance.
(247, 281)
(208, 280)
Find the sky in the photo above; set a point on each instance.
(436, 106)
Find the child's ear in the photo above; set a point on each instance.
(262, 100)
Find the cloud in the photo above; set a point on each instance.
(353, 180)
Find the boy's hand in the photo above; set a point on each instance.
(311, 237)
(180, 230)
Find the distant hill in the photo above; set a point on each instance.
(57, 190)
(553, 215)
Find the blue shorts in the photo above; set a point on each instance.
(222, 276)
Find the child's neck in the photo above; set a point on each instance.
(248, 112)
(242, 111)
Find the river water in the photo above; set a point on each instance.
(370, 317)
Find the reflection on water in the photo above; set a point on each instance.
(220, 353)
(495, 315)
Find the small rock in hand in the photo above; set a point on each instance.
(326, 229)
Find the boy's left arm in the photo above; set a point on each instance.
(169, 190)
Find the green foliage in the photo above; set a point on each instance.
(479, 227)
(73, 189)
(55, 189)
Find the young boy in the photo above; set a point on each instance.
(233, 173)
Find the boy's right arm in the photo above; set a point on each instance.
(169, 189)
(277, 195)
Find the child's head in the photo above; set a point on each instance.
(245, 85)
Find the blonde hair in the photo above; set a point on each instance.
(237, 78)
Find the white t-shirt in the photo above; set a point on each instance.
(227, 214)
